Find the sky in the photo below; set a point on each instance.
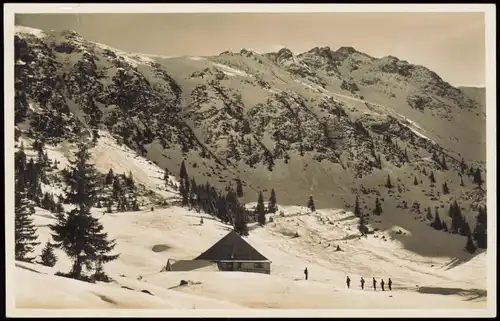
(451, 44)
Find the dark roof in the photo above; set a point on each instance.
(231, 247)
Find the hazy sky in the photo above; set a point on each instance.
(451, 44)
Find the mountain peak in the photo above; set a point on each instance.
(285, 52)
(347, 50)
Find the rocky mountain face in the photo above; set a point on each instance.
(329, 123)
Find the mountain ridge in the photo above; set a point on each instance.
(332, 124)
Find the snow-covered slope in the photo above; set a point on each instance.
(147, 239)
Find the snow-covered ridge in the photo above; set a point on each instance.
(31, 31)
(231, 71)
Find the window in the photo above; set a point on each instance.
(258, 265)
(238, 265)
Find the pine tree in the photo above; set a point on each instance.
(388, 184)
(310, 204)
(464, 228)
(477, 178)
(117, 189)
(130, 180)
(406, 155)
(272, 205)
(463, 167)
(25, 231)
(20, 160)
(432, 178)
(110, 177)
(109, 205)
(79, 234)
(48, 258)
(184, 193)
(437, 222)
(446, 190)
(462, 181)
(443, 163)
(183, 171)
(480, 231)
(261, 210)
(239, 188)
(378, 207)
(361, 226)
(469, 245)
(415, 181)
(357, 210)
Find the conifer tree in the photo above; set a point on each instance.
(415, 181)
(272, 205)
(130, 180)
(20, 160)
(109, 205)
(432, 178)
(463, 167)
(462, 181)
(443, 163)
(480, 231)
(310, 204)
(183, 171)
(239, 188)
(378, 207)
(446, 190)
(406, 155)
(361, 225)
(388, 184)
(25, 231)
(48, 258)
(79, 234)
(470, 247)
(437, 222)
(261, 210)
(357, 210)
(110, 177)
(477, 178)
(184, 192)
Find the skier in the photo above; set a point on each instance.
(306, 273)
(362, 283)
(382, 284)
(390, 284)
(348, 281)
(374, 284)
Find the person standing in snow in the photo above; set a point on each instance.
(374, 284)
(382, 284)
(306, 273)
(362, 283)
(348, 281)
(390, 284)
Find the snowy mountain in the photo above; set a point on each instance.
(334, 124)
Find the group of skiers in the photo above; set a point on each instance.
(374, 282)
(362, 281)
